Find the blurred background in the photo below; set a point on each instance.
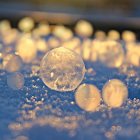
(103, 13)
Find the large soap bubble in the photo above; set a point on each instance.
(62, 69)
(88, 97)
(114, 93)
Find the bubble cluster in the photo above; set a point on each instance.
(106, 54)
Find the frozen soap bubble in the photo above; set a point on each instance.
(12, 63)
(129, 36)
(113, 35)
(26, 24)
(111, 53)
(26, 48)
(15, 81)
(84, 28)
(62, 69)
(88, 97)
(114, 93)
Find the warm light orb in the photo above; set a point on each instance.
(26, 24)
(128, 36)
(41, 45)
(53, 42)
(5, 26)
(12, 63)
(88, 97)
(15, 81)
(62, 69)
(113, 35)
(86, 49)
(73, 44)
(133, 54)
(114, 93)
(62, 33)
(27, 49)
(43, 29)
(111, 53)
(84, 28)
(100, 35)
(10, 36)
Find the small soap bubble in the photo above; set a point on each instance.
(41, 45)
(62, 69)
(100, 35)
(88, 97)
(113, 35)
(84, 28)
(43, 29)
(62, 32)
(10, 36)
(15, 81)
(114, 93)
(12, 63)
(5, 26)
(73, 44)
(26, 48)
(133, 54)
(53, 42)
(26, 24)
(111, 53)
(86, 49)
(128, 36)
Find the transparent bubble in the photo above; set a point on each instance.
(62, 69)
(73, 44)
(100, 35)
(88, 97)
(12, 63)
(62, 33)
(15, 81)
(86, 49)
(41, 45)
(128, 36)
(5, 26)
(10, 36)
(96, 49)
(84, 28)
(53, 42)
(43, 29)
(26, 24)
(114, 93)
(111, 53)
(133, 54)
(113, 35)
(26, 48)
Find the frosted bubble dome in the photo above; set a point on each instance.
(62, 69)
